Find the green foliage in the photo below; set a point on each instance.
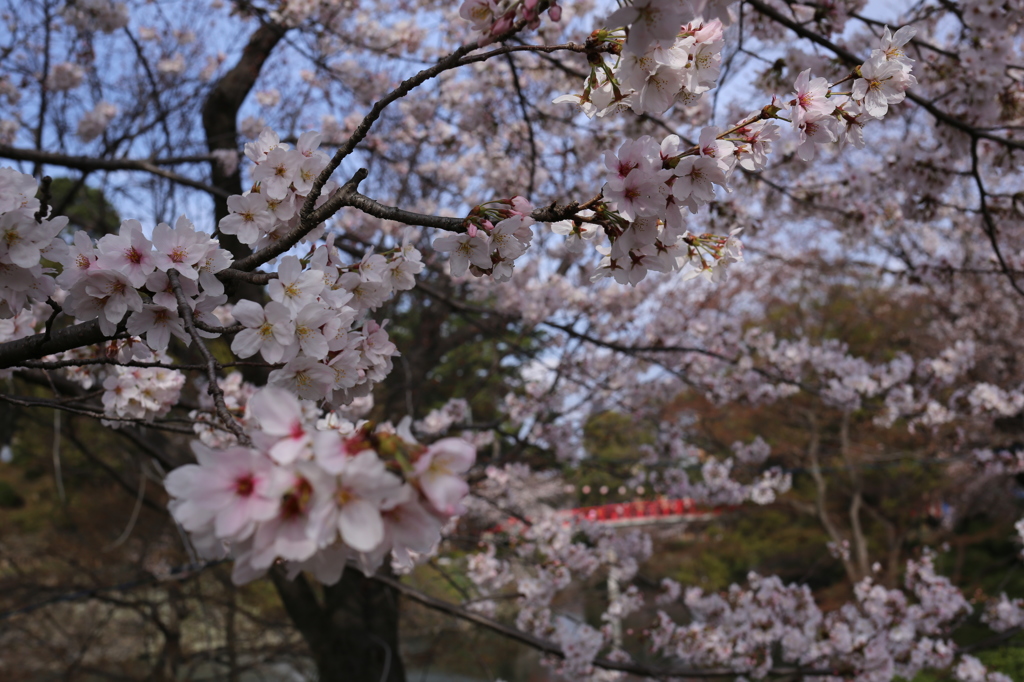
(1008, 660)
(769, 541)
(87, 208)
(612, 440)
(447, 354)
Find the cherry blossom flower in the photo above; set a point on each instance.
(882, 83)
(309, 379)
(158, 324)
(280, 418)
(295, 288)
(648, 21)
(111, 293)
(362, 485)
(810, 102)
(436, 473)
(292, 533)
(276, 172)
(308, 332)
(128, 252)
(464, 250)
(639, 193)
(180, 248)
(249, 218)
(239, 486)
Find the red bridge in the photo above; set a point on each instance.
(644, 512)
(662, 511)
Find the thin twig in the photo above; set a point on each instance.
(58, 405)
(212, 367)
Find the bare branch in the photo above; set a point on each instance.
(88, 163)
(212, 367)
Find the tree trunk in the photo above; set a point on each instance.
(353, 633)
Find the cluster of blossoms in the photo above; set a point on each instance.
(318, 493)
(496, 234)
(535, 561)
(141, 393)
(652, 72)
(312, 493)
(95, 121)
(437, 422)
(822, 116)
(650, 183)
(96, 15)
(65, 76)
(875, 638)
(24, 242)
(236, 393)
(104, 280)
(493, 17)
(314, 324)
(309, 325)
(283, 177)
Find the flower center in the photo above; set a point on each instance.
(245, 485)
(296, 502)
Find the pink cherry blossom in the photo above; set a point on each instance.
(437, 473)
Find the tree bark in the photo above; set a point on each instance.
(220, 116)
(353, 633)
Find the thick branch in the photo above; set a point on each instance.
(821, 488)
(860, 546)
(547, 214)
(13, 353)
(220, 111)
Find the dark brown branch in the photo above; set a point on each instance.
(220, 113)
(63, 406)
(308, 212)
(988, 224)
(88, 163)
(13, 353)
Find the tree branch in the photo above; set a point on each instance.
(87, 163)
(853, 60)
(212, 367)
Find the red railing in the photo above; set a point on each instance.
(643, 510)
(637, 512)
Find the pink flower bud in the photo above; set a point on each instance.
(502, 25)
